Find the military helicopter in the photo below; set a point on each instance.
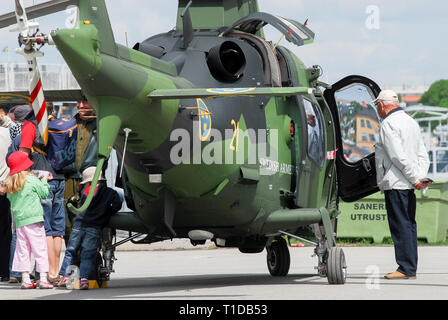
(222, 135)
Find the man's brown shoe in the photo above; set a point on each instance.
(398, 275)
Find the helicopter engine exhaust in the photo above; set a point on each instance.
(226, 61)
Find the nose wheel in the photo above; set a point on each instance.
(278, 258)
(336, 266)
(331, 259)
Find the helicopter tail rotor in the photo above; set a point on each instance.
(29, 47)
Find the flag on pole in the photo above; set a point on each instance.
(5, 49)
(39, 104)
(331, 155)
(30, 52)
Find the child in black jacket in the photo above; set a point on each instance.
(87, 226)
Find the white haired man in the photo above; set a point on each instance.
(401, 165)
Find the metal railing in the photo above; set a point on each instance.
(435, 138)
(15, 77)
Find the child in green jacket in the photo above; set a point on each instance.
(24, 192)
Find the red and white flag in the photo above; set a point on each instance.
(39, 104)
(331, 155)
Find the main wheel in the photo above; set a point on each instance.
(336, 266)
(278, 258)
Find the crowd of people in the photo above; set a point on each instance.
(34, 192)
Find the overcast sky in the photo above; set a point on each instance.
(392, 42)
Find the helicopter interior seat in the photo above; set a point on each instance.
(270, 62)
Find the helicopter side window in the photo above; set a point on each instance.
(315, 132)
(358, 120)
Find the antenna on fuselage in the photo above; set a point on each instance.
(187, 25)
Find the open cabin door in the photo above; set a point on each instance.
(357, 128)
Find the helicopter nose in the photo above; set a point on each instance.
(80, 49)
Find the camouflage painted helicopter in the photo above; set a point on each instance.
(223, 136)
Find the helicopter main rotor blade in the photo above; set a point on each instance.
(37, 11)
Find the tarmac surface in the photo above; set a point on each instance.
(177, 271)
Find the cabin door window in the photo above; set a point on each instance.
(358, 120)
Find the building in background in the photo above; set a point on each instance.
(367, 129)
(410, 95)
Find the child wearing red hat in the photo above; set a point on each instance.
(24, 192)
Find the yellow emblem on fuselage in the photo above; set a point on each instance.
(205, 120)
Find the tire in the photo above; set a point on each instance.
(278, 258)
(336, 266)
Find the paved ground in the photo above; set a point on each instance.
(227, 274)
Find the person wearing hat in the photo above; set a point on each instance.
(21, 113)
(87, 226)
(24, 191)
(86, 156)
(402, 163)
(5, 212)
(30, 142)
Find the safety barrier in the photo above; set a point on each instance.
(367, 218)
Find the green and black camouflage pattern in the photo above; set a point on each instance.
(153, 95)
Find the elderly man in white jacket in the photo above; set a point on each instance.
(401, 165)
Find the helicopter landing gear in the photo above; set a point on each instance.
(105, 260)
(336, 266)
(331, 264)
(331, 259)
(278, 258)
(100, 274)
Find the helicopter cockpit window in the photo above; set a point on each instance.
(358, 120)
(315, 132)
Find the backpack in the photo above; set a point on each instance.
(62, 139)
